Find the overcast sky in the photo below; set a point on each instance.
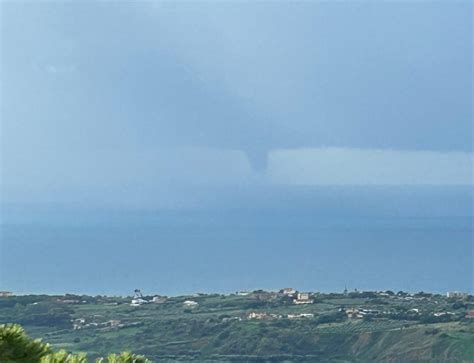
(139, 97)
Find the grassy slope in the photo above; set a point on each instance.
(248, 338)
(169, 331)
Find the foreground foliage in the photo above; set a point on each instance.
(17, 347)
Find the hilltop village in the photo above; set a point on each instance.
(292, 296)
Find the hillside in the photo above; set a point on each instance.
(256, 326)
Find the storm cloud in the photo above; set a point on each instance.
(141, 95)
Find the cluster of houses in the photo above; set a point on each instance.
(81, 323)
(264, 315)
(138, 300)
(359, 313)
(259, 316)
(353, 313)
(299, 316)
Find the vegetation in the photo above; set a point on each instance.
(259, 326)
(17, 347)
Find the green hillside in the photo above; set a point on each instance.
(260, 326)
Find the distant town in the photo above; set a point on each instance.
(292, 296)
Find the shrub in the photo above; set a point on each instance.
(17, 347)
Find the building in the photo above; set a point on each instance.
(78, 323)
(443, 313)
(369, 312)
(138, 302)
(300, 316)
(138, 299)
(303, 298)
(113, 323)
(470, 314)
(243, 293)
(456, 294)
(68, 301)
(288, 291)
(258, 316)
(353, 313)
(6, 293)
(190, 303)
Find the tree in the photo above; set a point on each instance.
(124, 357)
(17, 347)
(64, 357)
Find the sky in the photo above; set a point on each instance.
(157, 105)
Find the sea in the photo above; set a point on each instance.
(395, 241)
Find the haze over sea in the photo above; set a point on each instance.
(320, 239)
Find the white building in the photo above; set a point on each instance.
(254, 315)
(243, 293)
(303, 298)
(138, 302)
(299, 316)
(353, 313)
(190, 303)
(456, 294)
(138, 299)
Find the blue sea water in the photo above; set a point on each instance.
(58, 250)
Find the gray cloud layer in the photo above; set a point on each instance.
(129, 96)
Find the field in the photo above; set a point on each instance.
(365, 326)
